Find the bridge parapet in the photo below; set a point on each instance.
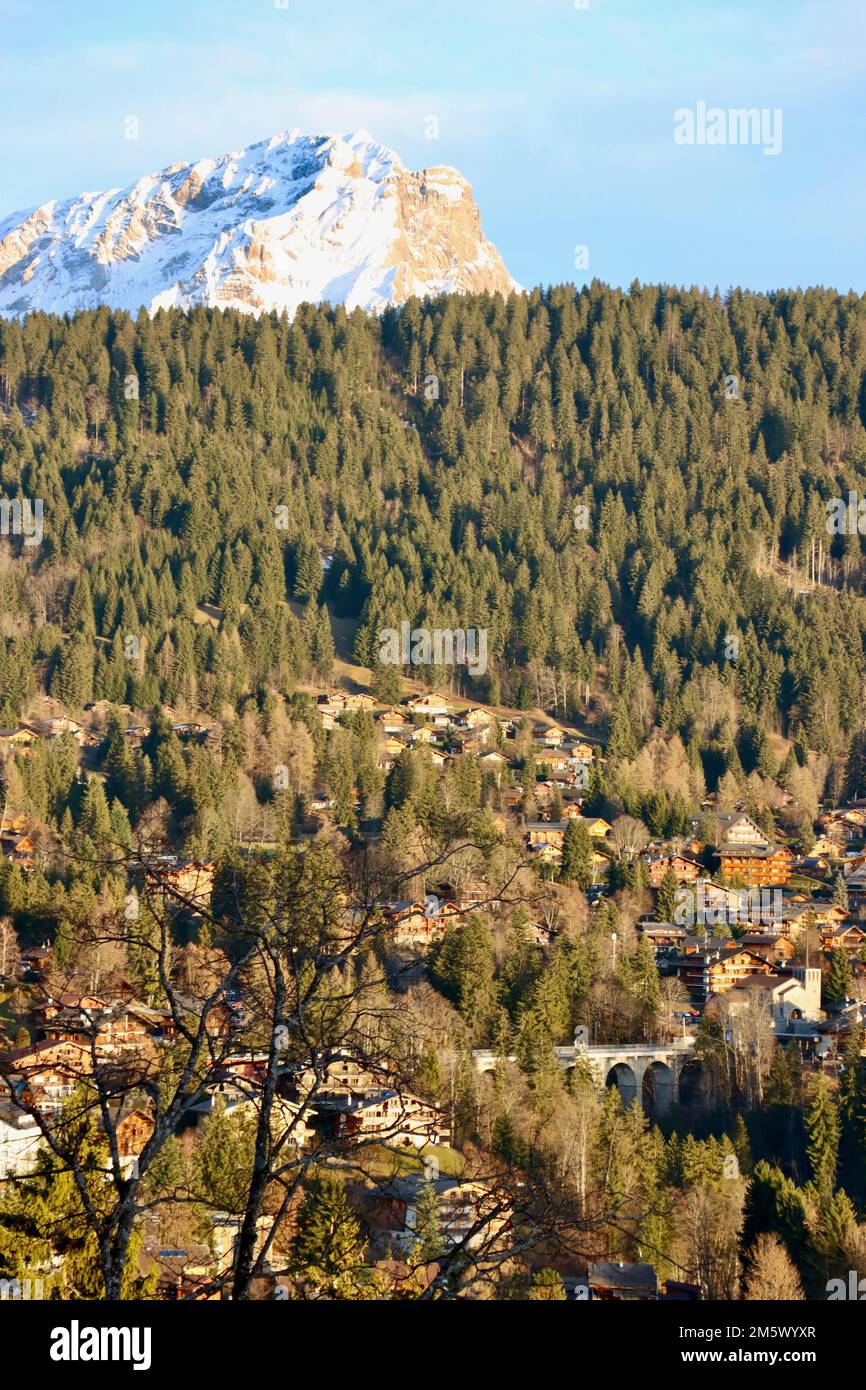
(632, 1053)
(634, 1067)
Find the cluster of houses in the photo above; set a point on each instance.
(368, 1102)
(418, 923)
(766, 925)
(741, 883)
(432, 722)
(21, 738)
(344, 1097)
(544, 838)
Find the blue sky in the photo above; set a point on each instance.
(562, 118)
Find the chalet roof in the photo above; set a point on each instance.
(761, 939)
(710, 945)
(842, 929)
(659, 856)
(608, 1275)
(406, 1188)
(36, 1051)
(727, 819)
(790, 911)
(732, 951)
(713, 951)
(729, 851)
(762, 983)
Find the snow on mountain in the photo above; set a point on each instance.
(294, 218)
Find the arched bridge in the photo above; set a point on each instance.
(655, 1072)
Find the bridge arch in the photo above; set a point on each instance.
(622, 1076)
(658, 1088)
(693, 1083)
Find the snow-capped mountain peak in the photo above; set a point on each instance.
(292, 218)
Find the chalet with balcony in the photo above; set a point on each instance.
(757, 866)
(621, 1282)
(116, 1027)
(44, 1074)
(429, 706)
(715, 971)
(662, 936)
(183, 883)
(419, 922)
(775, 947)
(393, 1117)
(548, 832)
(549, 735)
(846, 936)
(686, 869)
(391, 721)
(19, 738)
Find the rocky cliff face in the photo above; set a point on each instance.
(295, 218)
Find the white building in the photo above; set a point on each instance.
(19, 1140)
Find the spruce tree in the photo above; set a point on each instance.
(666, 901)
(577, 854)
(837, 980)
(546, 1286)
(428, 1244)
(822, 1128)
(328, 1247)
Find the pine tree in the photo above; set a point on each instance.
(308, 577)
(577, 854)
(386, 683)
(774, 1205)
(666, 901)
(223, 1159)
(837, 980)
(546, 1285)
(428, 1244)
(822, 1128)
(328, 1247)
(462, 967)
(742, 1146)
(840, 891)
(643, 975)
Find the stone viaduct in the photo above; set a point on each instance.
(654, 1072)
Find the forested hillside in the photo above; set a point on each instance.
(432, 466)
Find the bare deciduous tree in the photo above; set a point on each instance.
(772, 1275)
